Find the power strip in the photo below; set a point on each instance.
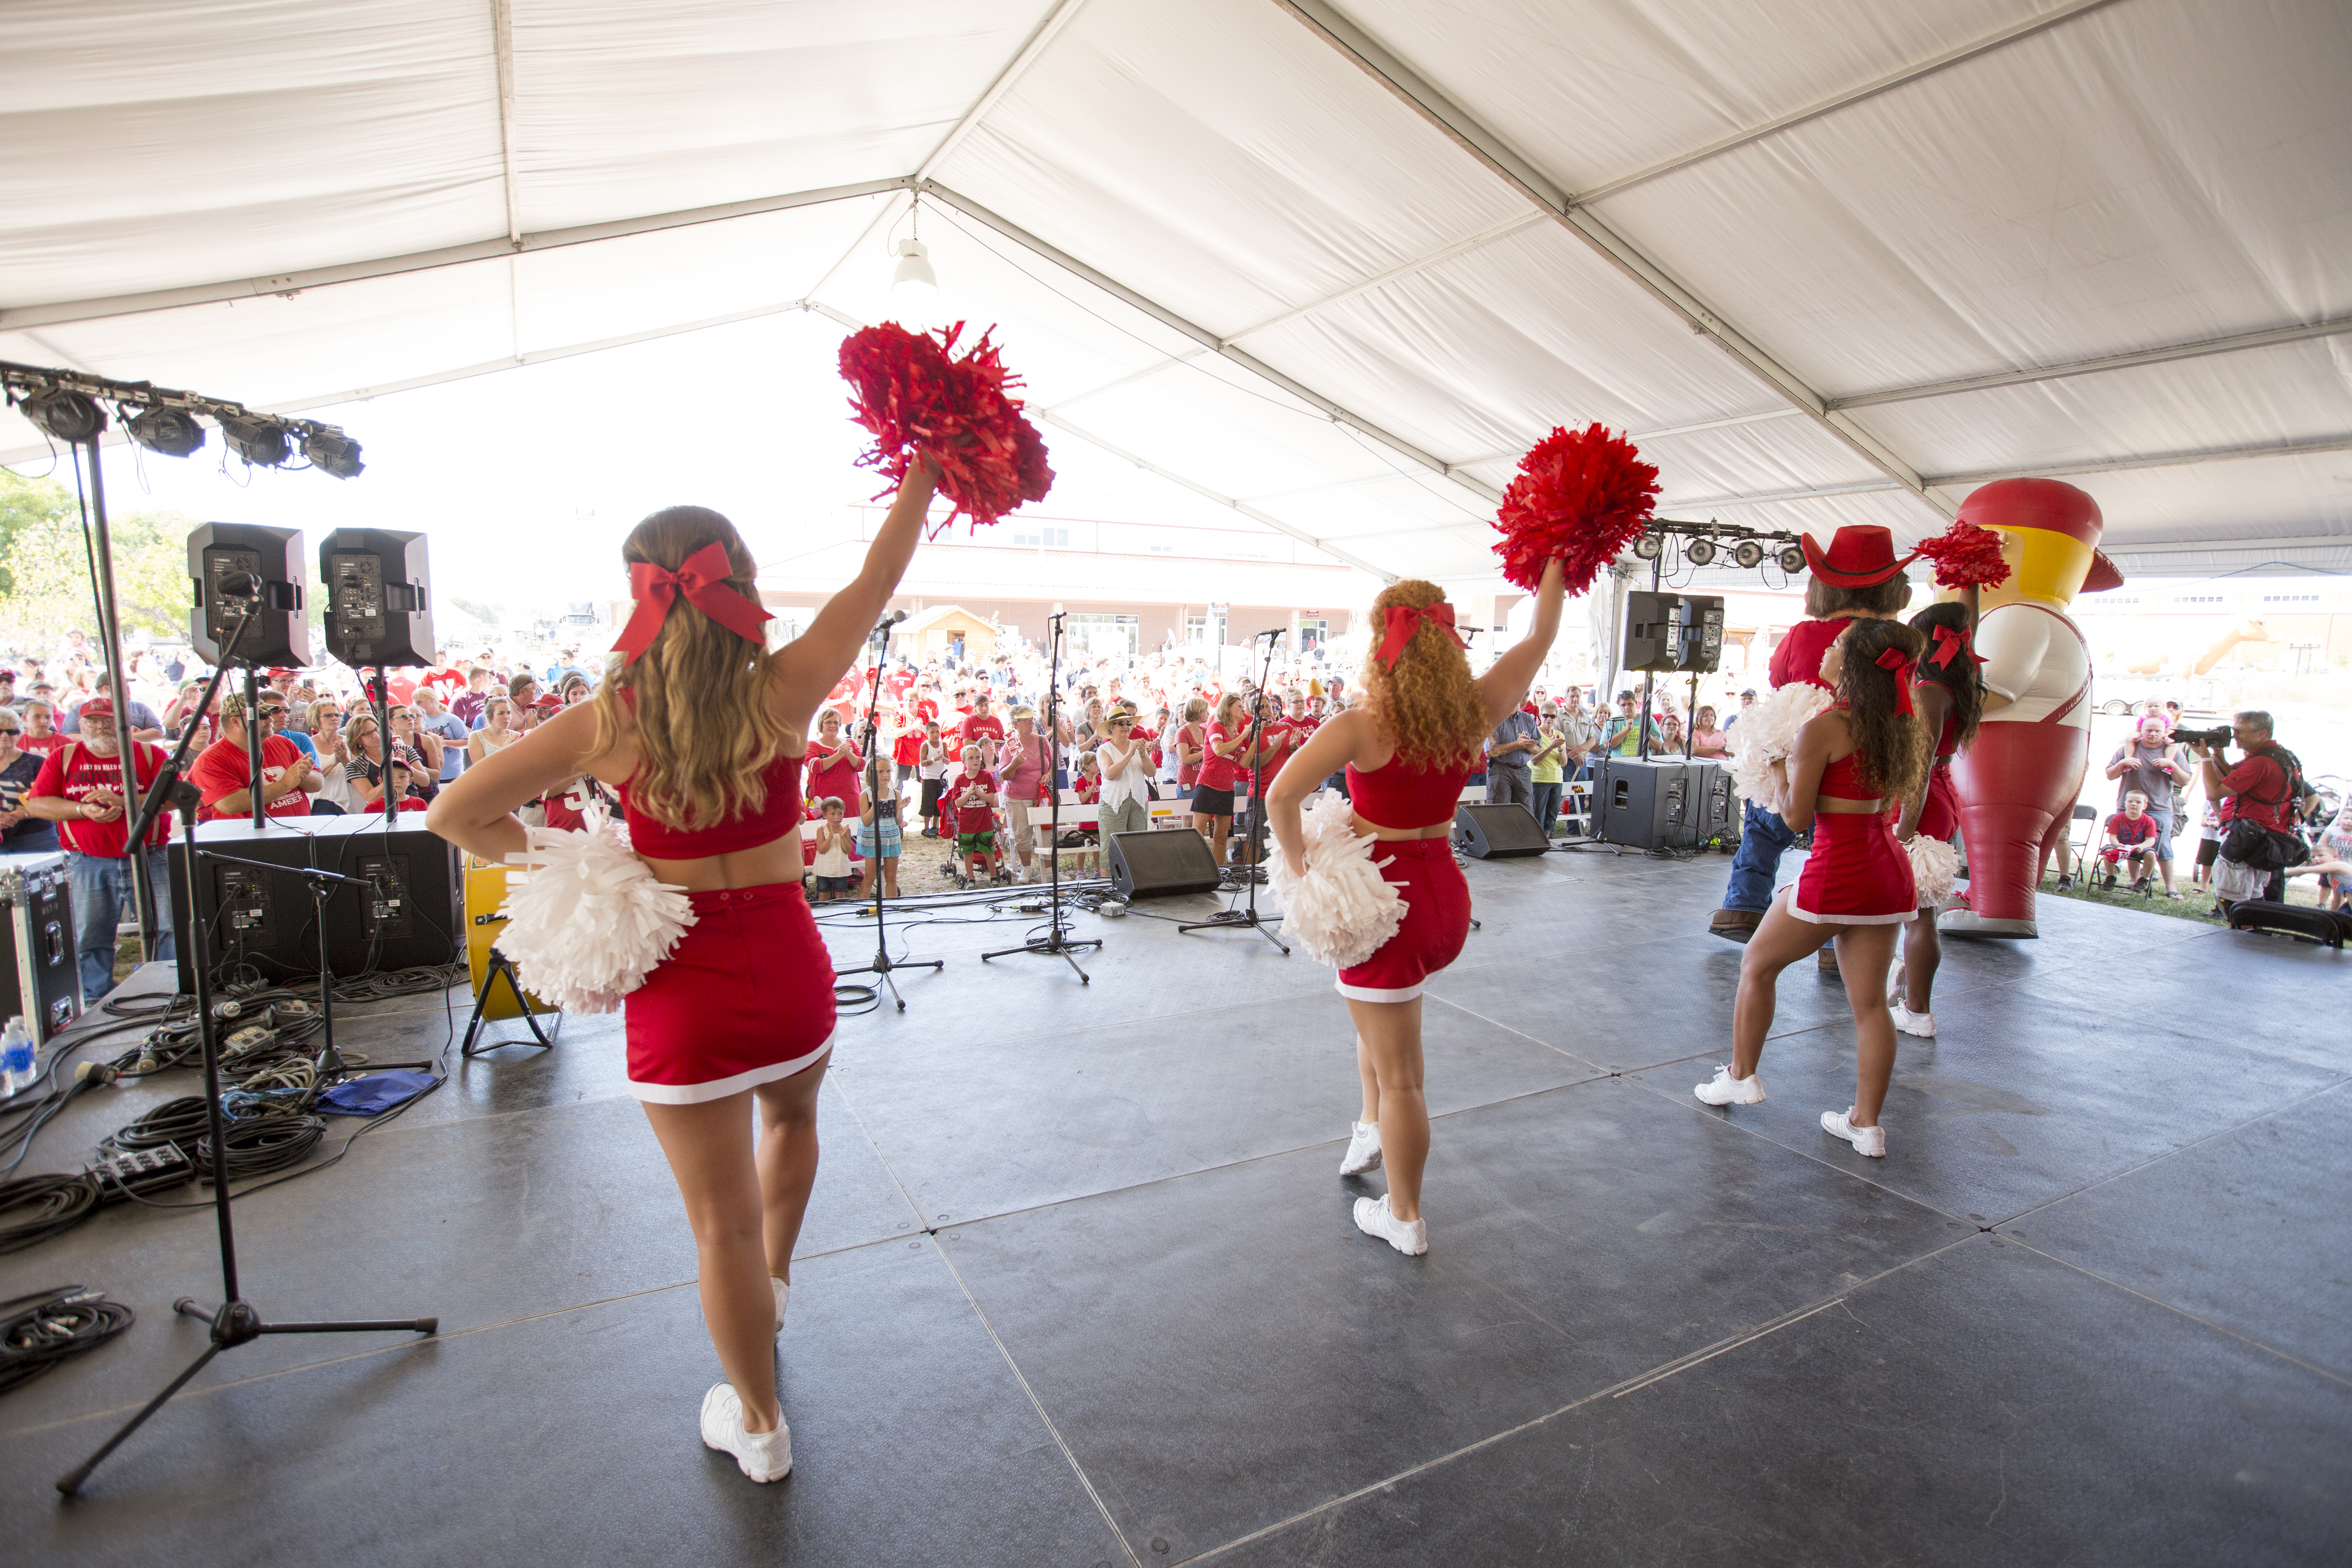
(123, 1172)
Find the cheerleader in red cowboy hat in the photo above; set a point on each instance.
(1406, 749)
(1857, 577)
(702, 733)
(1853, 762)
(1949, 695)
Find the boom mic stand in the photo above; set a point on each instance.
(236, 1321)
(1229, 918)
(1057, 941)
(883, 964)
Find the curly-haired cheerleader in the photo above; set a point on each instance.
(1407, 750)
(1950, 697)
(1852, 761)
(703, 731)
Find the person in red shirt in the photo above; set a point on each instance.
(1221, 767)
(2261, 789)
(982, 729)
(905, 749)
(833, 766)
(41, 732)
(405, 790)
(2131, 836)
(971, 796)
(222, 771)
(81, 788)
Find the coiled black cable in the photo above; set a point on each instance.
(35, 1208)
(38, 1330)
(262, 1145)
(183, 1122)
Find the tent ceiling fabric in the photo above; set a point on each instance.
(1335, 265)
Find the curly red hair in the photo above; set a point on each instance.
(1427, 700)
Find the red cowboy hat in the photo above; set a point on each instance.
(1860, 556)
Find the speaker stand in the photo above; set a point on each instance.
(1229, 918)
(502, 967)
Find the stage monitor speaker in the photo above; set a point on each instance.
(280, 632)
(1680, 632)
(43, 978)
(1498, 832)
(413, 917)
(1664, 802)
(379, 598)
(1161, 862)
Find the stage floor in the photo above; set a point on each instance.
(1079, 1284)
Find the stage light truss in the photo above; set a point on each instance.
(67, 406)
(1701, 543)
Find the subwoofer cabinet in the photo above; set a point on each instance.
(1661, 804)
(43, 969)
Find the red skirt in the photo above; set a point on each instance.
(1858, 873)
(745, 999)
(1940, 816)
(1436, 923)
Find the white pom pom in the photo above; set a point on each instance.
(1767, 733)
(586, 921)
(1935, 867)
(1342, 908)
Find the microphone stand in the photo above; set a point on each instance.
(882, 963)
(1229, 918)
(236, 1321)
(1056, 942)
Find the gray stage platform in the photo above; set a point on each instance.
(1079, 1285)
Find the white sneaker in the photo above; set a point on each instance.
(1727, 1089)
(783, 1292)
(762, 1456)
(1372, 1217)
(1920, 1024)
(1363, 1150)
(1870, 1140)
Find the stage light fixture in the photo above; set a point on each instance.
(1792, 560)
(1648, 546)
(1748, 555)
(914, 286)
(65, 415)
(260, 442)
(170, 431)
(333, 454)
(1699, 551)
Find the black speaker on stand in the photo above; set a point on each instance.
(379, 613)
(227, 552)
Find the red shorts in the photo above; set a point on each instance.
(1858, 874)
(745, 999)
(1940, 816)
(1436, 923)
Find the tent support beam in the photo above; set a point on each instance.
(1869, 89)
(2320, 447)
(1410, 89)
(2239, 343)
(502, 29)
(1201, 335)
(65, 310)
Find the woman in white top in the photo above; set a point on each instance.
(1126, 764)
(495, 733)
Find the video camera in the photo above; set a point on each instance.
(2219, 736)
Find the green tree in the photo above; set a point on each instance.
(47, 566)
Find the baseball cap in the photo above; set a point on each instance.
(97, 708)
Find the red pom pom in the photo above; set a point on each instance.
(918, 398)
(1967, 556)
(1580, 497)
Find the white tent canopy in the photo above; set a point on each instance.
(1828, 262)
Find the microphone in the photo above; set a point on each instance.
(1277, 631)
(892, 619)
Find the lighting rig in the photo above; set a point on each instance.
(69, 406)
(1698, 544)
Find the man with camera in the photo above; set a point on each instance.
(2261, 799)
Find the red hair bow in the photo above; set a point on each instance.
(1904, 666)
(703, 579)
(1948, 643)
(1403, 620)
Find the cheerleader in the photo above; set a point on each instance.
(702, 731)
(1865, 751)
(1407, 751)
(1949, 695)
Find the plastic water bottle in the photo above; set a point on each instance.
(15, 1057)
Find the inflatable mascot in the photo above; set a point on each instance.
(2018, 782)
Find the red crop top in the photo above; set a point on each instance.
(1842, 779)
(1396, 796)
(780, 815)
